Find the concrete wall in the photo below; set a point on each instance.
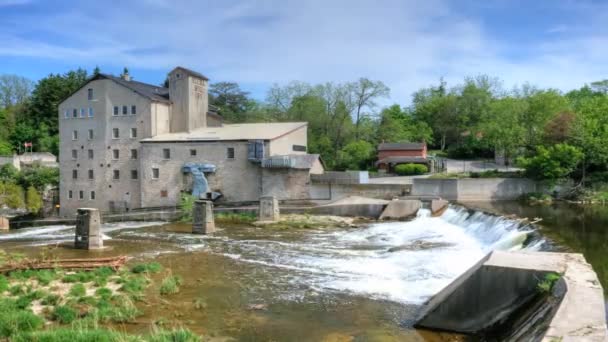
(322, 192)
(286, 183)
(474, 189)
(342, 177)
(284, 145)
(499, 298)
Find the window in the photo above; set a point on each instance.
(74, 154)
(298, 148)
(115, 111)
(166, 153)
(83, 113)
(91, 134)
(80, 195)
(230, 153)
(133, 132)
(115, 133)
(74, 135)
(92, 195)
(163, 193)
(75, 113)
(70, 194)
(74, 174)
(90, 93)
(155, 173)
(116, 174)
(133, 110)
(91, 154)
(133, 154)
(192, 153)
(91, 174)
(115, 154)
(124, 110)
(91, 113)
(67, 114)
(134, 174)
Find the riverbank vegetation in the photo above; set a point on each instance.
(58, 305)
(23, 189)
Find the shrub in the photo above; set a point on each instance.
(33, 200)
(186, 204)
(546, 285)
(555, 162)
(170, 285)
(152, 267)
(64, 314)
(411, 169)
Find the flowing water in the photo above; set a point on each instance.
(302, 284)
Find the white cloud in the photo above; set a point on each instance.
(406, 44)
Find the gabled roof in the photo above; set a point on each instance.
(190, 72)
(401, 146)
(150, 91)
(250, 131)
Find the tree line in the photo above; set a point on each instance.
(551, 133)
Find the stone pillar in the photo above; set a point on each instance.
(4, 225)
(202, 217)
(88, 229)
(269, 209)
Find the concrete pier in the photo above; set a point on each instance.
(88, 229)
(400, 209)
(4, 224)
(269, 209)
(202, 217)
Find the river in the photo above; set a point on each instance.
(364, 284)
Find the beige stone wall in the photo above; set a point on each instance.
(238, 179)
(284, 145)
(160, 122)
(190, 101)
(286, 183)
(107, 94)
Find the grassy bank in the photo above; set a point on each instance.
(59, 305)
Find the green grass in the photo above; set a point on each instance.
(51, 299)
(73, 335)
(18, 321)
(64, 314)
(4, 284)
(178, 335)
(104, 293)
(152, 267)
(77, 290)
(235, 218)
(119, 310)
(133, 285)
(170, 285)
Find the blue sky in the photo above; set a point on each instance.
(406, 44)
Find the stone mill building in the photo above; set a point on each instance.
(126, 145)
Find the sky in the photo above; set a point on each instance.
(406, 44)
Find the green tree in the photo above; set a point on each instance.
(39, 177)
(501, 126)
(11, 195)
(397, 125)
(33, 200)
(553, 163)
(356, 155)
(233, 103)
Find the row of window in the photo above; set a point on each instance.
(115, 134)
(90, 112)
(81, 195)
(116, 174)
(125, 110)
(134, 155)
(73, 113)
(115, 154)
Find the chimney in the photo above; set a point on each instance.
(125, 74)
